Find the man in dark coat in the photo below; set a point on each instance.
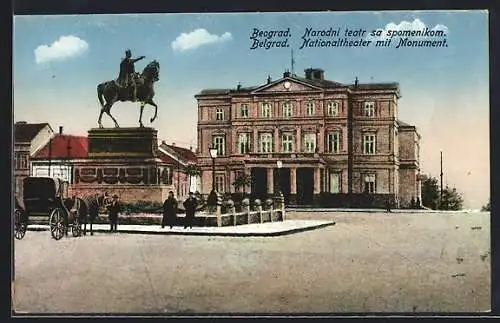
(169, 211)
(190, 205)
(127, 71)
(114, 210)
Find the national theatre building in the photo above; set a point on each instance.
(319, 142)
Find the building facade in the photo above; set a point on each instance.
(319, 142)
(58, 157)
(183, 160)
(29, 138)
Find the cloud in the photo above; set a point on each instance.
(392, 29)
(197, 38)
(63, 48)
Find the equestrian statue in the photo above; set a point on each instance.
(130, 86)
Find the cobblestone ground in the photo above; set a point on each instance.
(367, 262)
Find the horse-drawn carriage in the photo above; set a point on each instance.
(46, 197)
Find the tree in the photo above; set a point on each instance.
(487, 207)
(431, 196)
(452, 199)
(430, 193)
(192, 170)
(242, 181)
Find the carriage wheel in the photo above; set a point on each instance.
(56, 222)
(76, 228)
(19, 225)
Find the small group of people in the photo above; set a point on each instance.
(170, 208)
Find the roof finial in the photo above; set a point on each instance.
(293, 63)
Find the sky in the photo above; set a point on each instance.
(59, 60)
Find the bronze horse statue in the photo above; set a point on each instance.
(111, 92)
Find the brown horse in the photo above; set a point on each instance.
(111, 92)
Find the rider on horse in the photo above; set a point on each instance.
(127, 71)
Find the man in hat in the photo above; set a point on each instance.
(127, 71)
(114, 210)
(169, 211)
(190, 205)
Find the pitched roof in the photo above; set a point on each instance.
(183, 153)
(25, 132)
(324, 84)
(166, 158)
(78, 148)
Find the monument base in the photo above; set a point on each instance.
(125, 162)
(127, 193)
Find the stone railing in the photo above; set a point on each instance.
(270, 210)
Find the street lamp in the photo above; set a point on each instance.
(212, 197)
(279, 163)
(213, 154)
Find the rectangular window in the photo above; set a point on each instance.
(334, 142)
(219, 183)
(310, 142)
(24, 161)
(369, 109)
(310, 108)
(266, 143)
(219, 114)
(266, 110)
(17, 160)
(369, 144)
(244, 111)
(287, 141)
(334, 183)
(243, 143)
(369, 184)
(332, 108)
(219, 142)
(287, 110)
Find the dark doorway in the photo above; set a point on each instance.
(259, 183)
(282, 181)
(305, 186)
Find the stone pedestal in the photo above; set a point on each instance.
(124, 161)
(123, 143)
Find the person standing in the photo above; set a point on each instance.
(114, 210)
(190, 205)
(169, 211)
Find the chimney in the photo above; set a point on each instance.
(60, 130)
(268, 79)
(163, 142)
(315, 74)
(173, 144)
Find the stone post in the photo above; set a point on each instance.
(218, 209)
(269, 208)
(231, 209)
(279, 205)
(245, 207)
(258, 207)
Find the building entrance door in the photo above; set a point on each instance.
(259, 183)
(282, 181)
(305, 186)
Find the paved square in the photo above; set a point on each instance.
(367, 262)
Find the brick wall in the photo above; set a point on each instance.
(407, 186)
